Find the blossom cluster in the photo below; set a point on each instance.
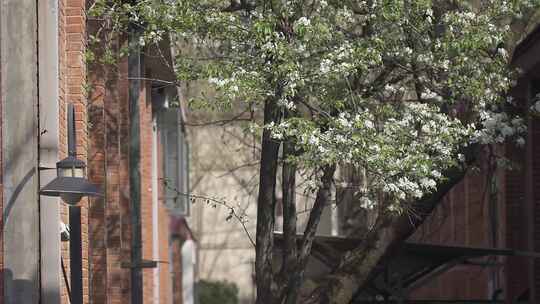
(497, 128)
(404, 152)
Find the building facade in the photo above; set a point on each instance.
(475, 214)
(134, 240)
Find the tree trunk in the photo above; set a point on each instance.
(289, 226)
(265, 208)
(357, 266)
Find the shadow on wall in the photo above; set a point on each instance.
(18, 288)
(15, 194)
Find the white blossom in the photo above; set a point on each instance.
(303, 21)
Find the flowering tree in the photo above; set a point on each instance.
(408, 92)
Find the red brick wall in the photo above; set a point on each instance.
(106, 227)
(145, 107)
(72, 80)
(146, 129)
(518, 222)
(110, 220)
(109, 166)
(516, 268)
(460, 220)
(165, 275)
(123, 175)
(97, 173)
(76, 81)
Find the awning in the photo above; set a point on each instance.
(405, 269)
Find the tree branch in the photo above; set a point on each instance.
(321, 200)
(221, 122)
(296, 274)
(390, 230)
(241, 217)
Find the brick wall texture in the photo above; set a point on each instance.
(102, 122)
(110, 217)
(110, 242)
(460, 220)
(72, 70)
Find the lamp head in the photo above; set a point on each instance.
(70, 183)
(70, 189)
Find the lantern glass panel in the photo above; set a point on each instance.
(71, 172)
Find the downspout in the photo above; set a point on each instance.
(170, 291)
(155, 208)
(493, 211)
(134, 75)
(186, 150)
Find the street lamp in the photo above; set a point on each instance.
(71, 186)
(70, 183)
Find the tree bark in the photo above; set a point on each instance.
(289, 223)
(265, 208)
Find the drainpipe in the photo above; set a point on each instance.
(155, 208)
(134, 75)
(493, 210)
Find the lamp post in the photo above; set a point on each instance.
(71, 186)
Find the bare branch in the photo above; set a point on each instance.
(242, 166)
(232, 212)
(241, 217)
(154, 80)
(220, 122)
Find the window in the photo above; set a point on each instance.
(175, 161)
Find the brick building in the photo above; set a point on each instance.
(163, 174)
(481, 244)
(473, 215)
(135, 243)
